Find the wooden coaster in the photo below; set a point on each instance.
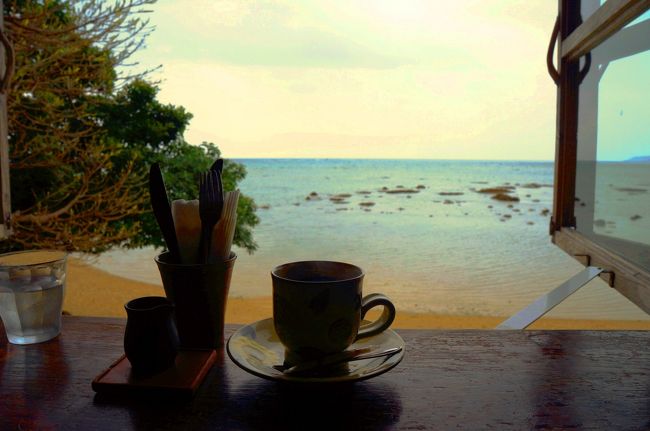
(182, 379)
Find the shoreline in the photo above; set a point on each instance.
(93, 292)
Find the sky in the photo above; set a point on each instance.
(360, 79)
(623, 110)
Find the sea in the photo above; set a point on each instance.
(420, 229)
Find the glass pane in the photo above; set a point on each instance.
(613, 173)
(643, 17)
(588, 7)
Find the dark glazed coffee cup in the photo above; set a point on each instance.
(318, 308)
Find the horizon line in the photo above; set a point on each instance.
(389, 158)
(630, 159)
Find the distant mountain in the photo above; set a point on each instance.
(638, 159)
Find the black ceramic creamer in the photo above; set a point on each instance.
(150, 339)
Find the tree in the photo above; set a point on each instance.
(152, 132)
(78, 176)
(66, 191)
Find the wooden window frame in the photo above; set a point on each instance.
(576, 39)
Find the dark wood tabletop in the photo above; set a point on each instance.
(464, 379)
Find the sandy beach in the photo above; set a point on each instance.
(93, 292)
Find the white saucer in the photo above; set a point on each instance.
(256, 349)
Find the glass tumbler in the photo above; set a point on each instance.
(32, 286)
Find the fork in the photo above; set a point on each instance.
(210, 209)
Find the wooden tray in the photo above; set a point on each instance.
(182, 379)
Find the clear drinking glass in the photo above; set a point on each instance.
(32, 286)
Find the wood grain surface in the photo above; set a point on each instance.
(467, 379)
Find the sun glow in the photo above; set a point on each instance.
(409, 79)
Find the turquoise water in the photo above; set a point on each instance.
(462, 254)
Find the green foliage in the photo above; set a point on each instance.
(65, 191)
(137, 119)
(150, 132)
(83, 136)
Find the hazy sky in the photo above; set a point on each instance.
(623, 110)
(365, 78)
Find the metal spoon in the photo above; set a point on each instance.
(338, 358)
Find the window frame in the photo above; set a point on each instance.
(576, 39)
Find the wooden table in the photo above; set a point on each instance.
(447, 380)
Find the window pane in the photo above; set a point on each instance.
(643, 17)
(588, 7)
(613, 174)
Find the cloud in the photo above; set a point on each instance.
(259, 34)
(373, 34)
(427, 79)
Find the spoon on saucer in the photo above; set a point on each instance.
(338, 358)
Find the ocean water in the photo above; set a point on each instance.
(445, 248)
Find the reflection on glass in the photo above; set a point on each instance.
(643, 17)
(588, 7)
(613, 173)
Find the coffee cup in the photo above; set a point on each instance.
(318, 308)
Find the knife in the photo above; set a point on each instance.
(217, 166)
(162, 211)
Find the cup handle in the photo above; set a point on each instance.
(384, 321)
